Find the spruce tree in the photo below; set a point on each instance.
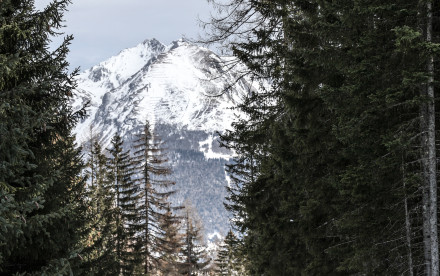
(284, 146)
(228, 260)
(194, 256)
(42, 210)
(329, 164)
(150, 164)
(126, 196)
(171, 242)
(101, 253)
(377, 122)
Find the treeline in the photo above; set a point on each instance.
(336, 171)
(204, 180)
(134, 229)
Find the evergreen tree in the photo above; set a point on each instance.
(154, 190)
(228, 260)
(329, 170)
(284, 147)
(171, 243)
(101, 253)
(195, 259)
(42, 210)
(126, 192)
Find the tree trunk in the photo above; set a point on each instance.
(147, 205)
(147, 220)
(118, 221)
(407, 225)
(432, 162)
(426, 228)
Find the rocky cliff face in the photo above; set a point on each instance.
(181, 89)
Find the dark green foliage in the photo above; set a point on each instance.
(121, 175)
(42, 209)
(229, 260)
(194, 256)
(150, 164)
(133, 229)
(281, 173)
(376, 114)
(329, 156)
(101, 254)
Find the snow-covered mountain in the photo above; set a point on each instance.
(181, 90)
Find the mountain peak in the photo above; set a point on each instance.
(151, 40)
(168, 84)
(153, 44)
(171, 86)
(114, 71)
(179, 43)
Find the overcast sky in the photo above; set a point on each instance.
(102, 28)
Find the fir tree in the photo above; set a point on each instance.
(330, 154)
(195, 259)
(171, 243)
(122, 178)
(42, 195)
(283, 146)
(154, 190)
(228, 260)
(101, 253)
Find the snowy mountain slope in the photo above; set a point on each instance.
(113, 72)
(95, 82)
(179, 89)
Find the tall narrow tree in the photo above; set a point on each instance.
(171, 242)
(228, 260)
(195, 259)
(431, 149)
(152, 169)
(101, 253)
(122, 177)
